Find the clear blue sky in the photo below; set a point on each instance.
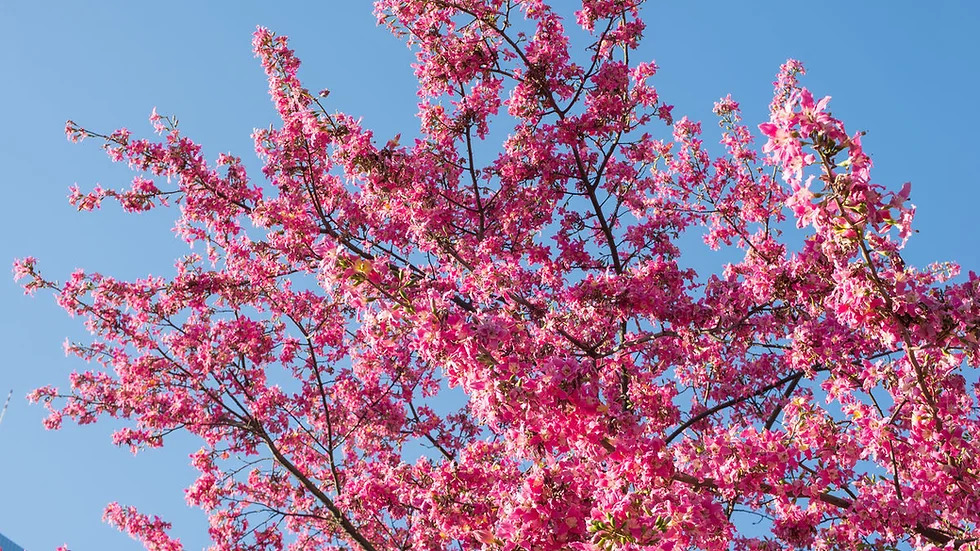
(905, 71)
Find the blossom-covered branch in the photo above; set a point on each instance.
(454, 343)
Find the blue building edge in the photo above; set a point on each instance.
(7, 545)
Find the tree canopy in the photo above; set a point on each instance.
(456, 343)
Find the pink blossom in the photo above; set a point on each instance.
(461, 345)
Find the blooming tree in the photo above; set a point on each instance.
(613, 398)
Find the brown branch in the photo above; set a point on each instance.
(311, 486)
(433, 441)
(729, 403)
(779, 407)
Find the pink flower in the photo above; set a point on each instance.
(155, 120)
